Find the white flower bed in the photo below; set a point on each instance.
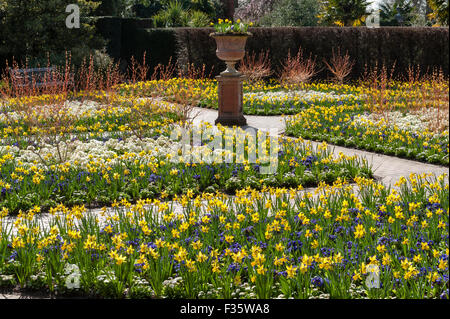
(307, 96)
(76, 109)
(414, 122)
(79, 153)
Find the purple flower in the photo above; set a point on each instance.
(317, 281)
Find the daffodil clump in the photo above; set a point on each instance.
(340, 241)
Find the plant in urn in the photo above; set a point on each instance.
(230, 39)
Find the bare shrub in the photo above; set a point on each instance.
(192, 82)
(138, 71)
(191, 71)
(256, 68)
(20, 80)
(376, 81)
(165, 72)
(438, 99)
(92, 77)
(340, 65)
(298, 69)
(413, 74)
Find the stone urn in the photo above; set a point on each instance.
(231, 49)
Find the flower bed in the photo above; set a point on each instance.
(98, 172)
(30, 121)
(405, 119)
(259, 99)
(268, 244)
(117, 147)
(344, 125)
(272, 239)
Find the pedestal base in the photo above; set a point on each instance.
(230, 100)
(238, 121)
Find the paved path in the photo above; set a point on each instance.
(388, 169)
(261, 122)
(24, 295)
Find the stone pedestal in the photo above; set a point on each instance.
(230, 100)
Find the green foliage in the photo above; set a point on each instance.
(109, 8)
(206, 6)
(37, 29)
(174, 15)
(440, 10)
(396, 13)
(147, 8)
(128, 8)
(293, 13)
(199, 19)
(345, 12)
(183, 14)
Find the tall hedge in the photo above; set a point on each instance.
(427, 47)
(404, 46)
(159, 44)
(111, 29)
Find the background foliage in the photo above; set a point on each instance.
(440, 11)
(293, 13)
(396, 13)
(344, 12)
(32, 29)
(37, 28)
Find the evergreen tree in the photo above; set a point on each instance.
(440, 11)
(344, 12)
(34, 28)
(396, 13)
(292, 13)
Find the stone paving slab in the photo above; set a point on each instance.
(389, 169)
(255, 121)
(22, 295)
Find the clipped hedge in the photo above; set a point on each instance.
(159, 44)
(427, 47)
(404, 46)
(111, 29)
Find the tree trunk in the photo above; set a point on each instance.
(348, 23)
(228, 9)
